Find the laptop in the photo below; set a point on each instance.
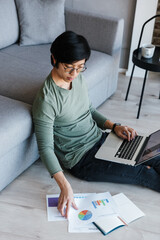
(134, 152)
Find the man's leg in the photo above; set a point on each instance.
(155, 163)
(92, 169)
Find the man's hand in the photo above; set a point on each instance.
(125, 132)
(66, 198)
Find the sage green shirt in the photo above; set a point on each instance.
(66, 125)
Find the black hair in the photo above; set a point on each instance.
(69, 47)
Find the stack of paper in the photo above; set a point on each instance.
(96, 212)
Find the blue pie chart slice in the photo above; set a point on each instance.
(85, 215)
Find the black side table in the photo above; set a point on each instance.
(149, 64)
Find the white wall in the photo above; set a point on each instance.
(119, 8)
(148, 8)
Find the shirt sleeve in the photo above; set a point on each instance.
(98, 117)
(43, 118)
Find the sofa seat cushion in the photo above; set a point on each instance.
(24, 69)
(9, 29)
(15, 123)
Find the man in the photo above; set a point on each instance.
(69, 129)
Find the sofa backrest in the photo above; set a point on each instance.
(9, 29)
(30, 22)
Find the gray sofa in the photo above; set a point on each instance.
(25, 63)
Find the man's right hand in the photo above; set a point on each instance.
(66, 198)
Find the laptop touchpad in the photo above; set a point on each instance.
(112, 141)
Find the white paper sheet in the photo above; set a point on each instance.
(54, 215)
(52, 203)
(107, 224)
(127, 210)
(89, 209)
(88, 228)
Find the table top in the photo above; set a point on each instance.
(150, 64)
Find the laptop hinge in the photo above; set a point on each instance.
(142, 149)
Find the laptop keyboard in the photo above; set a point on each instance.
(128, 148)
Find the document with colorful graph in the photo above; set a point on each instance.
(127, 213)
(54, 215)
(52, 203)
(90, 208)
(107, 212)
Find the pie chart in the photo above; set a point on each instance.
(85, 215)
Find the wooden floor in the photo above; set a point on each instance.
(22, 203)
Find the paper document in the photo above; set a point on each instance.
(90, 208)
(127, 210)
(95, 212)
(54, 215)
(52, 203)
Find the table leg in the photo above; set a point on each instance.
(130, 82)
(144, 82)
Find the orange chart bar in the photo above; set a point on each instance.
(100, 202)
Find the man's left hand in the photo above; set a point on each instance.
(125, 132)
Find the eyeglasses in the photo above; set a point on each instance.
(71, 69)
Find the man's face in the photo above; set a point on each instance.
(68, 72)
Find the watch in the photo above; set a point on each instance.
(114, 125)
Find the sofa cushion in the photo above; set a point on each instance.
(100, 77)
(15, 123)
(9, 29)
(99, 68)
(41, 21)
(23, 70)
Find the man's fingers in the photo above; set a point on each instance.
(61, 210)
(126, 132)
(74, 206)
(130, 133)
(133, 133)
(61, 207)
(67, 209)
(68, 205)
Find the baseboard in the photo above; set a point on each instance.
(122, 70)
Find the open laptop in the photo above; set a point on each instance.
(134, 152)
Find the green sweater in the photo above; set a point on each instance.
(66, 125)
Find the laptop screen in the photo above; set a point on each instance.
(152, 148)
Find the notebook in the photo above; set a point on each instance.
(134, 152)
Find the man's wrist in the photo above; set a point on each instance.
(108, 124)
(61, 180)
(114, 125)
